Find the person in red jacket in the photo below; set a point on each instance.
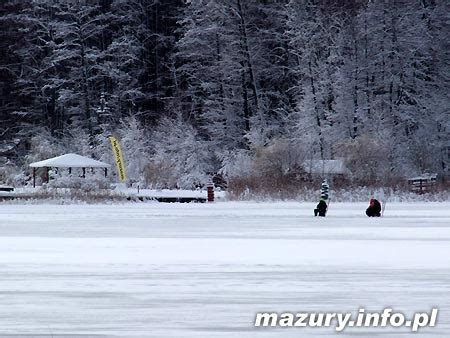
(374, 209)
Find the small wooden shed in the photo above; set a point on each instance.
(423, 183)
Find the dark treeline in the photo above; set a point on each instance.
(229, 86)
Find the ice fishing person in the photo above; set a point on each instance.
(374, 209)
(321, 209)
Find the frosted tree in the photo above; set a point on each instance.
(179, 158)
(32, 24)
(403, 82)
(135, 146)
(318, 60)
(234, 73)
(267, 68)
(150, 25)
(74, 29)
(209, 74)
(13, 101)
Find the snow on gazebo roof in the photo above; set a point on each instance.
(70, 161)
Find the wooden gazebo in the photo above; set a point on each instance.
(68, 161)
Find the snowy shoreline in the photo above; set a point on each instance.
(131, 195)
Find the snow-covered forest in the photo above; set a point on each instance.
(243, 88)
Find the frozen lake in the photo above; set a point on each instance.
(204, 270)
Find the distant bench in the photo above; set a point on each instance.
(6, 188)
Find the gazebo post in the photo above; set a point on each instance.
(84, 172)
(47, 178)
(70, 171)
(106, 172)
(34, 177)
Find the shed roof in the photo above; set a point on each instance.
(70, 161)
(333, 167)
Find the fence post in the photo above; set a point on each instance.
(210, 189)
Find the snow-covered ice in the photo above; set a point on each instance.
(204, 270)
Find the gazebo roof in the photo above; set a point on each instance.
(70, 161)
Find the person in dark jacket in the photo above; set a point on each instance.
(374, 209)
(321, 209)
